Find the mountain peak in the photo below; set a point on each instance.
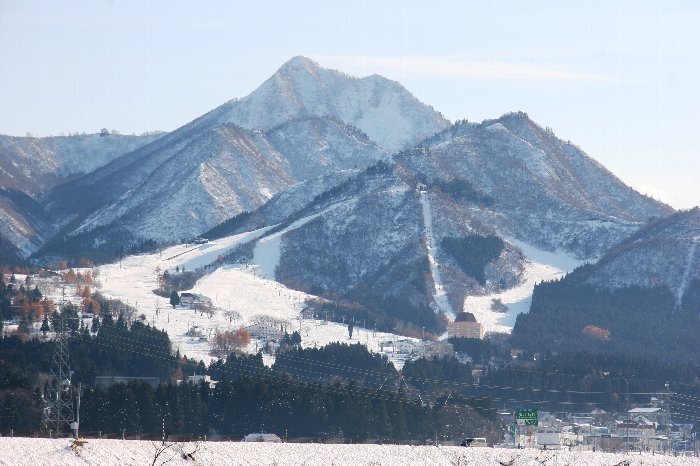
(301, 88)
(300, 63)
(519, 117)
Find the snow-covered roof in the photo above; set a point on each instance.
(261, 438)
(644, 410)
(465, 317)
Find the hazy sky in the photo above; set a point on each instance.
(620, 79)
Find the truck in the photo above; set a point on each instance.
(548, 439)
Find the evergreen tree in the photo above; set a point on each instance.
(95, 324)
(174, 299)
(45, 325)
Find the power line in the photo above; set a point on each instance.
(58, 396)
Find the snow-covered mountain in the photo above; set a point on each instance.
(29, 166)
(381, 108)
(443, 222)
(642, 298)
(32, 165)
(541, 190)
(664, 253)
(20, 225)
(302, 123)
(178, 188)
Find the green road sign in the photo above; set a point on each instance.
(511, 430)
(526, 417)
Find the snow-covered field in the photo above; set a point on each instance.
(238, 288)
(35, 452)
(542, 266)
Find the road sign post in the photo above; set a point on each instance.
(524, 417)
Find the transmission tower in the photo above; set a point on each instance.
(58, 396)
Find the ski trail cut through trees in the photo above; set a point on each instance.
(440, 295)
(686, 273)
(267, 251)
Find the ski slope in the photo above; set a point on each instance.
(683, 286)
(103, 452)
(250, 291)
(542, 265)
(231, 287)
(267, 251)
(440, 294)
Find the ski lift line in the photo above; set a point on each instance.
(689, 397)
(694, 407)
(182, 253)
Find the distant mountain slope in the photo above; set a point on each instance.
(664, 253)
(542, 190)
(434, 226)
(29, 166)
(178, 188)
(369, 240)
(33, 165)
(641, 298)
(282, 205)
(302, 123)
(20, 225)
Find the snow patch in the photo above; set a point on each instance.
(542, 266)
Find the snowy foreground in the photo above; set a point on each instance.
(30, 451)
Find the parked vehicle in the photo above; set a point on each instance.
(474, 442)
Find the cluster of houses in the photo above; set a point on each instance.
(464, 326)
(641, 429)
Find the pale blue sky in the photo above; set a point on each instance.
(620, 79)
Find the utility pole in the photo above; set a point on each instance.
(629, 416)
(58, 398)
(667, 414)
(76, 425)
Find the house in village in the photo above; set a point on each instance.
(652, 413)
(438, 349)
(187, 299)
(264, 331)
